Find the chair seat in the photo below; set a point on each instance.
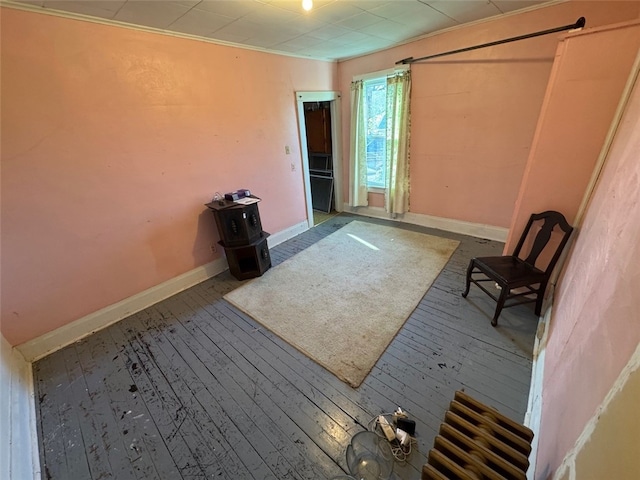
(509, 271)
(516, 274)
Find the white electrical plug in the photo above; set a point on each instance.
(403, 437)
(399, 413)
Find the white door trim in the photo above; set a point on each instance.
(336, 145)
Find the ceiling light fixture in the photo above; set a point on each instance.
(307, 4)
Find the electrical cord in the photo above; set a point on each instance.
(400, 452)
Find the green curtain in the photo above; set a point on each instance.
(358, 186)
(398, 135)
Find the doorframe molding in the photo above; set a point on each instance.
(333, 97)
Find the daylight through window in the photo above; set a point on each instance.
(375, 109)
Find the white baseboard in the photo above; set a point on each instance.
(74, 331)
(19, 458)
(534, 404)
(479, 230)
(287, 233)
(50, 342)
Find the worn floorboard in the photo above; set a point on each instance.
(192, 388)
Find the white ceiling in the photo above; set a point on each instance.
(333, 29)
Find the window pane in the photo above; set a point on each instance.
(376, 116)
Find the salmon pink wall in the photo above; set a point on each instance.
(473, 115)
(591, 69)
(595, 322)
(112, 141)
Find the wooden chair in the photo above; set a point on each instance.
(517, 272)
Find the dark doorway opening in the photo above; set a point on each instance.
(317, 117)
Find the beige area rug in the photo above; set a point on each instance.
(342, 300)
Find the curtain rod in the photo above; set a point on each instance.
(579, 24)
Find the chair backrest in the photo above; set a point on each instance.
(550, 220)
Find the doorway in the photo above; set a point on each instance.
(319, 127)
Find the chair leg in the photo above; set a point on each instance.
(472, 264)
(503, 297)
(540, 299)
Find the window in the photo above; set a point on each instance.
(379, 139)
(375, 110)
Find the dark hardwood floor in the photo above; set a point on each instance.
(192, 388)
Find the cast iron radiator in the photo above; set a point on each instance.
(476, 442)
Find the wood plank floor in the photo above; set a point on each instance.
(192, 388)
